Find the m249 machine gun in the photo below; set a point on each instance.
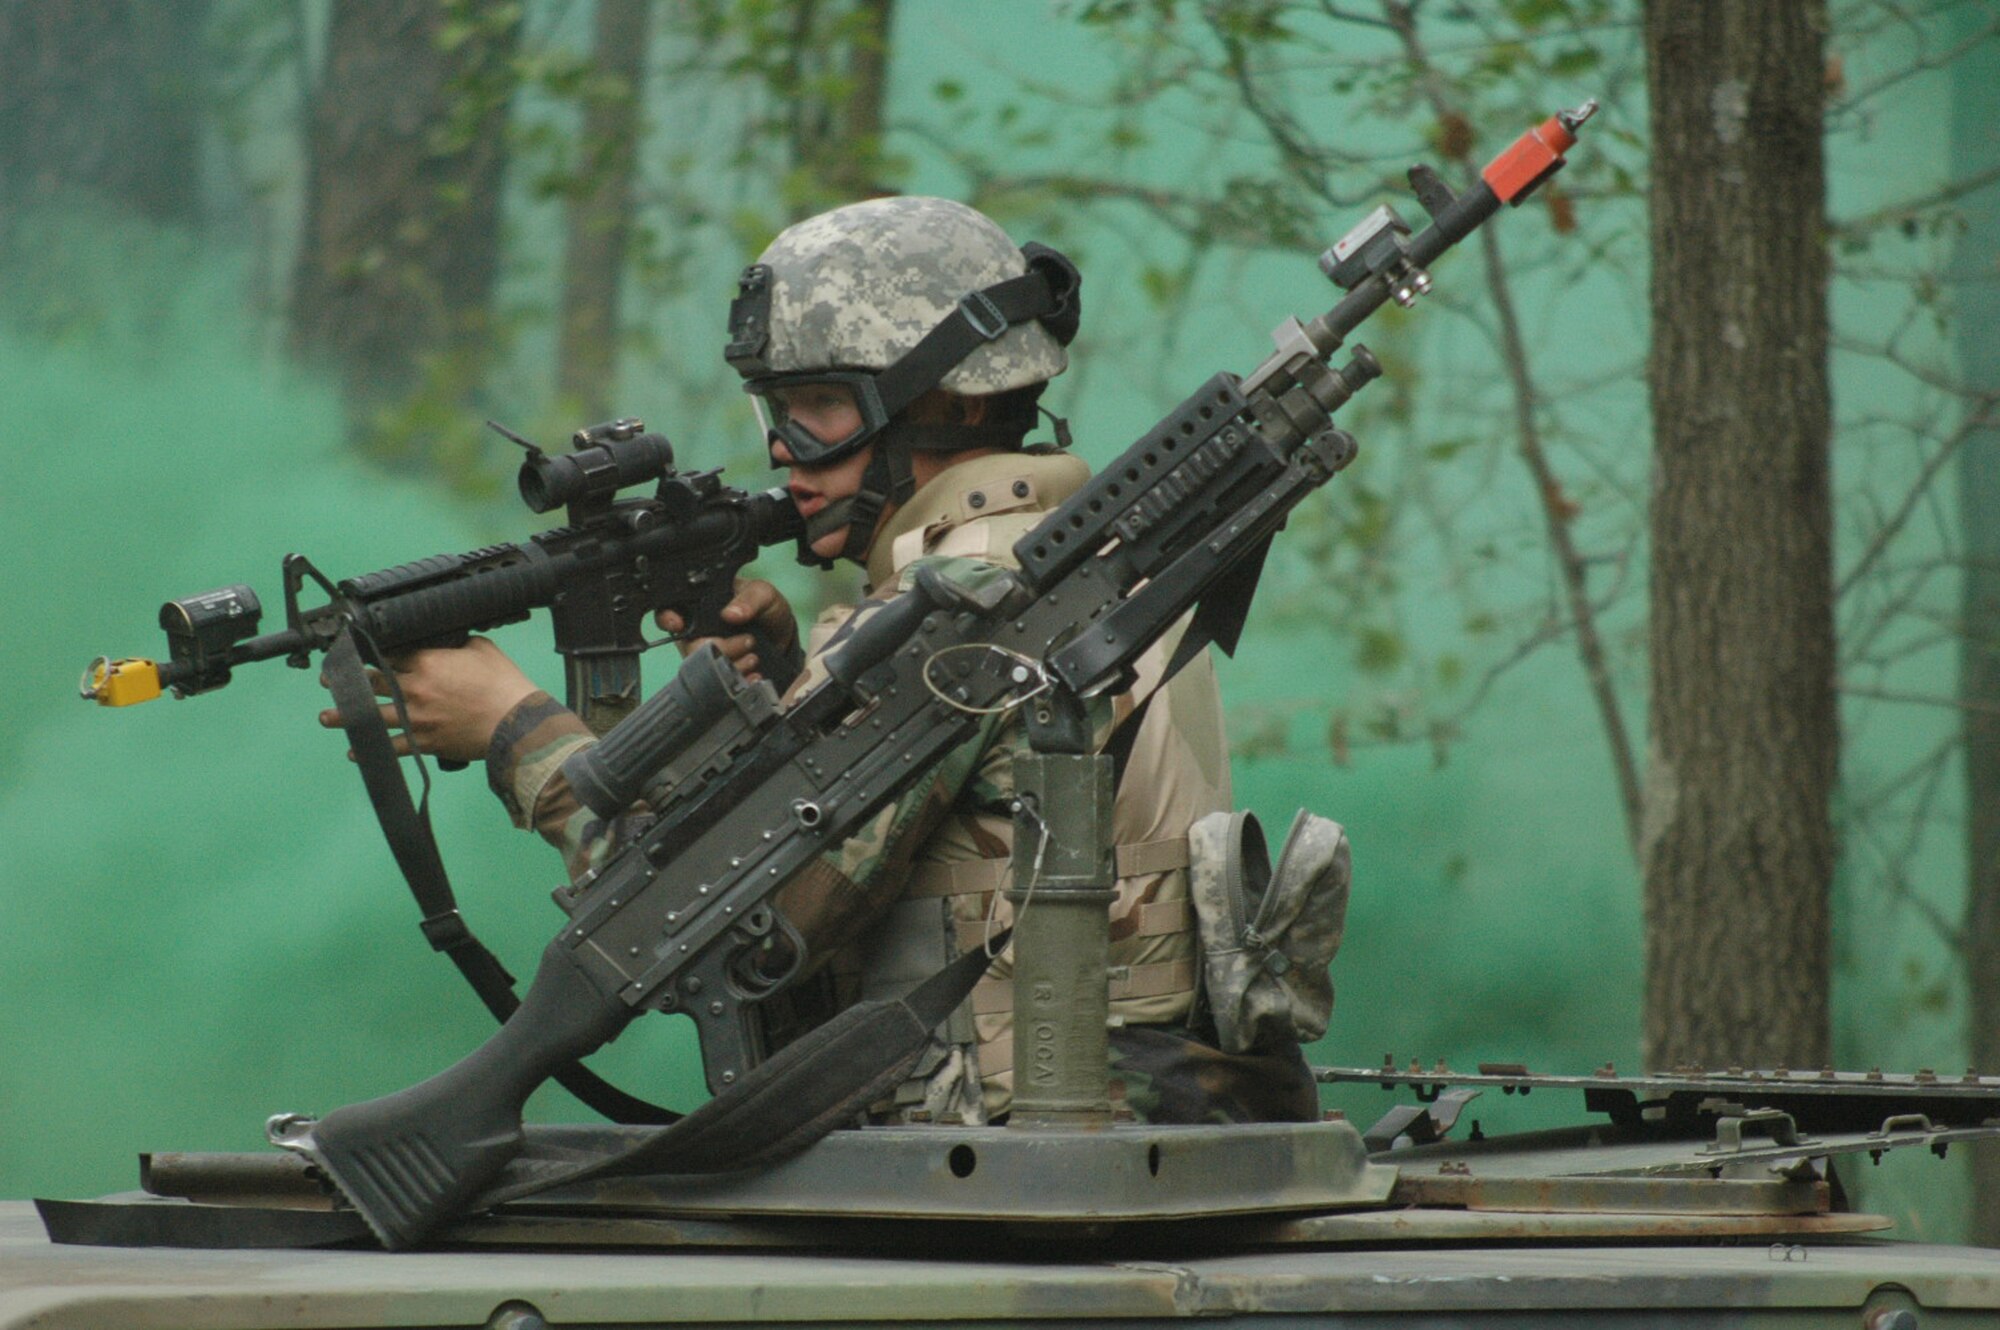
(679, 918)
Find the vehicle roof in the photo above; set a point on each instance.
(45, 1285)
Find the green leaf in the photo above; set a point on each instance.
(1575, 60)
(1162, 287)
(1533, 14)
(1378, 650)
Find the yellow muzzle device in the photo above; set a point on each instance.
(120, 683)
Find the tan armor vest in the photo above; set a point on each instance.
(1178, 772)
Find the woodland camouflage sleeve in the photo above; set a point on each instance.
(834, 899)
(524, 767)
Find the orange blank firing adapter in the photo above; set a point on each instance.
(1536, 155)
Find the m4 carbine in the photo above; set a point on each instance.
(679, 918)
(599, 575)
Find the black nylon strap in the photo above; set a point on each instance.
(1119, 746)
(811, 1086)
(1218, 620)
(406, 825)
(980, 318)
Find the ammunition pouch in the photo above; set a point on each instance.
(1268, 934)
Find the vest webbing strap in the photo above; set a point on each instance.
(1159, 979)
(971, 877)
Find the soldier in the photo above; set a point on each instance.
(897, 350)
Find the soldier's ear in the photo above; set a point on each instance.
(965, 410)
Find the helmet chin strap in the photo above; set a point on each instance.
(890, 477)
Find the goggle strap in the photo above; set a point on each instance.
(956, 438)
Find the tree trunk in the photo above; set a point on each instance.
(1975, 147)
(855, 170)
(600, 213)
(836, 142)
(104, 95)
(1737, 847)
(401, 234)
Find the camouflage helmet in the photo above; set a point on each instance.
(856, 288)
(883, 302)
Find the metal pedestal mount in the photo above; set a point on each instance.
(1061, 896)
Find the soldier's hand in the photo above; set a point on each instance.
(768, 627)
(456, 697)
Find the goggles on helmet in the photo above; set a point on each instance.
(822, 417)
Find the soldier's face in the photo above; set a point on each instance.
(814, 487)
(829, 412)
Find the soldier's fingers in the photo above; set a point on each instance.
(670, 622)
(330, 719)
(752, 600)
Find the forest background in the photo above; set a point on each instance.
(264, 268)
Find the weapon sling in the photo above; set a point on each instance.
(820, 1081)
(406, 825)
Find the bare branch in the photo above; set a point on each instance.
(1897, 213)
(1920, 699)
(1342, 15)
(1978, 420)
(1308, 161)
(1922, 65)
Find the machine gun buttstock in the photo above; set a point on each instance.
(410, 1159)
